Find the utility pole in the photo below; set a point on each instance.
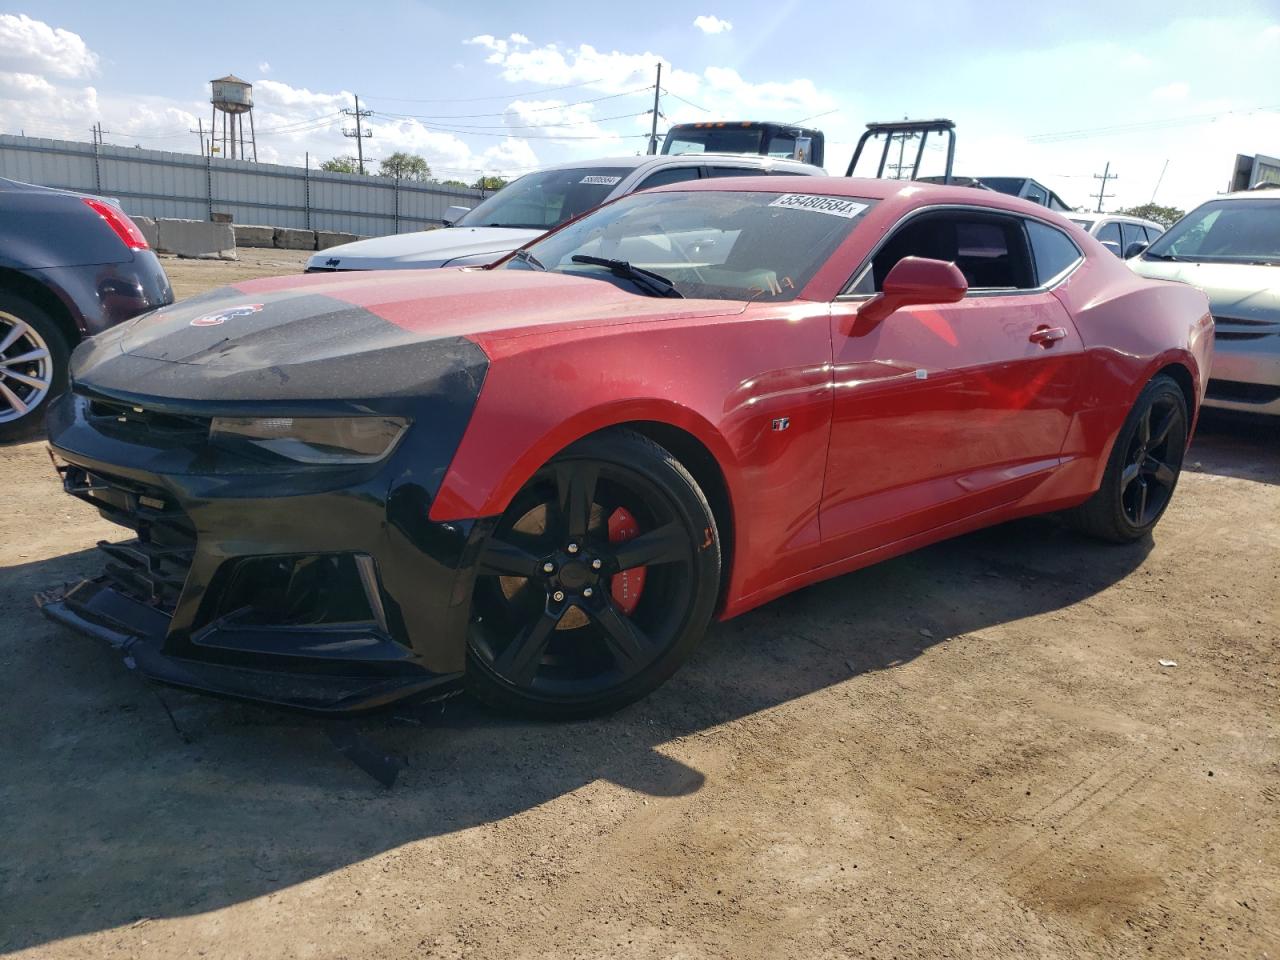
(359, 132)
(1104, 176)
(902, 139)
(1159, 181)
(200, 133)
(653, 130)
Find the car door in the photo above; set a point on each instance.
(943, 412)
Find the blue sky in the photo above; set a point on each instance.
(1051, 91)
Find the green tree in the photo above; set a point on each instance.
(1165, 216)
(453, 183)
(406, 166)
(489, 183)
(340, 165)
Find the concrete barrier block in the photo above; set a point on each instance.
(289, 238)
(197, 239)
(251, 236)
(148, 227)
(333, 238)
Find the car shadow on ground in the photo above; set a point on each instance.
(115, 813)
(1236, 445)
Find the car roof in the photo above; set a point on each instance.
(1253, 194)
(674, 159)
(1095, 217)
(907, 192)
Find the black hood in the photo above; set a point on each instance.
(230, 346)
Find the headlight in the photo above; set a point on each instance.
(326, 440)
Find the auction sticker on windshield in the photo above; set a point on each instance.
(597, 178)
(835, 206)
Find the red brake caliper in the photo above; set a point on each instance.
(628, 584)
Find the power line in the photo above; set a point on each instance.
(499, 96)
(1084, 133)
(683, 100)
(503, 113)
(549, 124)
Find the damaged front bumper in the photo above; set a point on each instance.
(326, 591)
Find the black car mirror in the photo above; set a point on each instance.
(1135, 248)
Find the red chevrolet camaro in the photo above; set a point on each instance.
(544, 479)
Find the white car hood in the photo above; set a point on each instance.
(428, 248)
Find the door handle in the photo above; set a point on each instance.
(1047, 336)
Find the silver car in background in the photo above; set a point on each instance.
(537, 202)
(1230, 249)
(1123, 235)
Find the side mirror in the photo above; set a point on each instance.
(913, 281)
(1135, 248)
(453, 214)
(1112, 246)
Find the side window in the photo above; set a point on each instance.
(1152, 233)
(736, 172)
(669, 175)
(1133, 233)
(1037, 195)
(1110, 233)
(991, 251)
(1053, 250)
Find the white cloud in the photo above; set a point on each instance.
(498, 47)
(24, 86)
(1178, 90)
(709, 24)
(264, 67)
(32, 46)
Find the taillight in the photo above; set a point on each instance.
(120, 224)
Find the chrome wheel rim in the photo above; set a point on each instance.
(26, 368)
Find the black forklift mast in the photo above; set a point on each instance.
(906, 128)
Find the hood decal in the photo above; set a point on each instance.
(222, 316)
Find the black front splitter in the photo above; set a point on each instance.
(93, 608)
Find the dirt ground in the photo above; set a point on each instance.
(972, 751)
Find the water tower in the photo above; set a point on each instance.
(233, 98)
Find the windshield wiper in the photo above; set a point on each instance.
(524, 256)
(1163, 256)
(655, 283)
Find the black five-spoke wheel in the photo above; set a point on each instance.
(596, 582)
(1143, 469)
(1151, 468)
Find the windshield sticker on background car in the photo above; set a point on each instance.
(603, 181)
(835, 206)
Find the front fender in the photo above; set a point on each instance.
(488, 472)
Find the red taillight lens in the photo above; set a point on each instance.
(120, 224)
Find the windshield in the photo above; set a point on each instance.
(1226, 231)
(540, 201)
(712, 244)
(726, 140)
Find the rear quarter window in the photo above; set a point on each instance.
(1053, 251)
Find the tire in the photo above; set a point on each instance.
(33, 366)
(1143, 469)
(596, 584)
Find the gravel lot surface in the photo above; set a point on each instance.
(972, 751)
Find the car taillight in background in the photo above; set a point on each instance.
(120, 224)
